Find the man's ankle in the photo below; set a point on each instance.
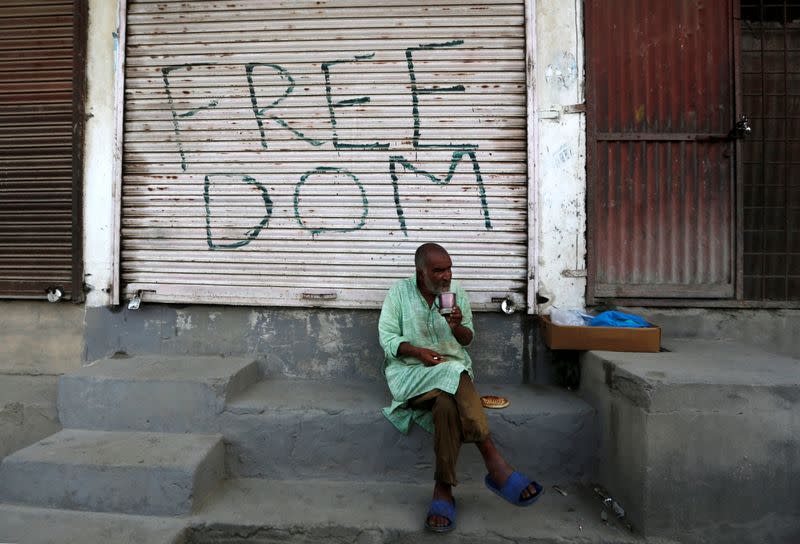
(442, 489)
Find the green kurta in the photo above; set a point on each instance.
(406, 317)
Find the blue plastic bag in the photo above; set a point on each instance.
(613, 318)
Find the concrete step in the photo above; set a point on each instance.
(257, 511)
(309, 429)
(125, 472)
(27, 411)
(30, 525)
(152, 393)
(305, 511)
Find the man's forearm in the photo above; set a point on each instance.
(427, 357)
(462, 334)
(407, 349)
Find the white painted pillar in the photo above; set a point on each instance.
(561, 157)
(101, 176)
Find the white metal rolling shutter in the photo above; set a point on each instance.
(296, 153)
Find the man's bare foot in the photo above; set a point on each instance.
(443, 492)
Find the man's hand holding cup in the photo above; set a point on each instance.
(449, 309)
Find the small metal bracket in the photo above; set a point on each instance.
(740, 131)
(549, 114)
(507, 305)
(54, 294)
(135, 301)
(579, 273)
(319, 296)
(574, 108)
(742, 128)
(556, 112)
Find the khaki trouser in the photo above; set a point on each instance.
(457, 419)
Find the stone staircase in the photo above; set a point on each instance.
(139, 437)
(235, 458)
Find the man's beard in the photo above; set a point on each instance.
(435, 288)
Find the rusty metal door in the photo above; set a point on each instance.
(660, 92)
(296, 153)
(41, 77)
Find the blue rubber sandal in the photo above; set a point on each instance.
(445, 509)
(514, 487)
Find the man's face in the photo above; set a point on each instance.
(437, 273)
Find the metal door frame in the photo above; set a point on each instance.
(116, 168)
(532, 147)
(79, 92)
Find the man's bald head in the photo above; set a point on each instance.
(424, 252)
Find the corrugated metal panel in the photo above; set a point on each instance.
(36, 147)
(297, 153)
(662, 187)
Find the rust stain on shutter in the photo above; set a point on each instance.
(661, 165)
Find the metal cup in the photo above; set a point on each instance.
(447, 301)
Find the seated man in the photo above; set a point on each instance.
(430, 377)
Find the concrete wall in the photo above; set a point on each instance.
(38, 341)
(40, 338)
(314, 344)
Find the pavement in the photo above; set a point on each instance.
(373, 512)
(319, 511)
(22, 524)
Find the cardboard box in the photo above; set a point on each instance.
(601, 338)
